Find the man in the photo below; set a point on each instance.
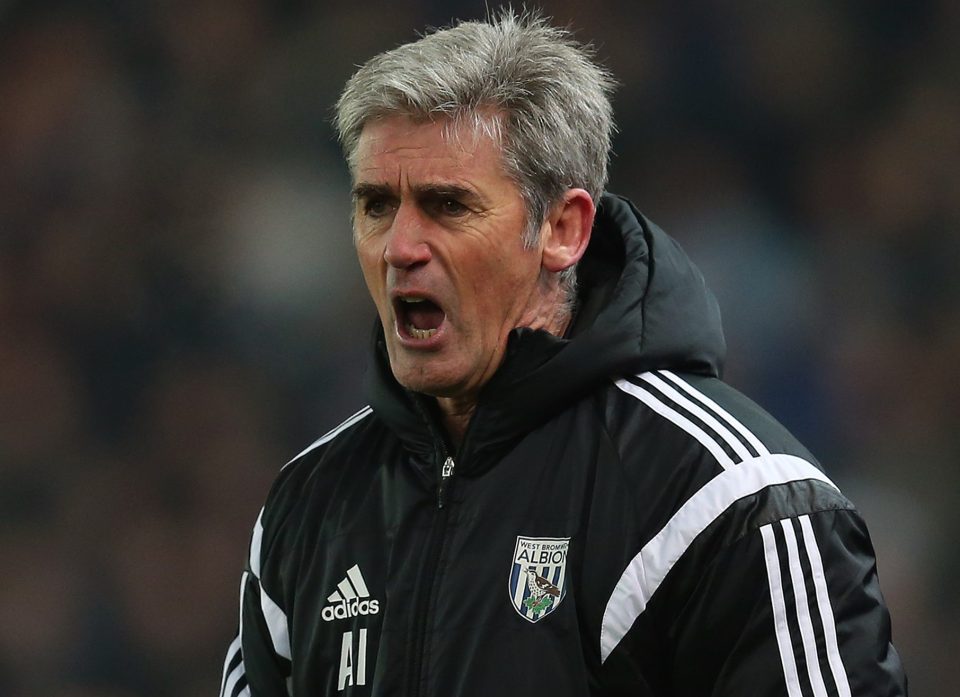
(552, 492)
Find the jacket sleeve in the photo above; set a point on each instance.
(793, 608)
(258, 659)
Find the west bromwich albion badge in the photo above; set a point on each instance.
(538, 577)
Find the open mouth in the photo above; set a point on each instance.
(418, 318)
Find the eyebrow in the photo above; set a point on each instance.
(365, 190)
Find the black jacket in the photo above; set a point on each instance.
(618, 521)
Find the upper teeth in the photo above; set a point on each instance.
(412, 300)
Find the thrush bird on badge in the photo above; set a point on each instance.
(540, 586)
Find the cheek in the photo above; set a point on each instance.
(500, 294)
(507, 279)
(369, 253)
(373, 273)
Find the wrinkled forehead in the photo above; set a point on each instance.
(400, 153)
(465, 130)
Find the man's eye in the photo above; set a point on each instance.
(452, 207)
(376, 207)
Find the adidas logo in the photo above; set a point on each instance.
(351, 599)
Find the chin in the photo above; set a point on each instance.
(426, 381)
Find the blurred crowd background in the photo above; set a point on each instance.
(180, 310)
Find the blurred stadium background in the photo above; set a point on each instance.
(180, 310)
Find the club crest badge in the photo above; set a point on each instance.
(538, 576)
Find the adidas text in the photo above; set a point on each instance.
(354, 608)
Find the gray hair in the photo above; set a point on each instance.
(527, 84)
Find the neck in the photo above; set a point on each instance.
(456, 416)
(456, 412)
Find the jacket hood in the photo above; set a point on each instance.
(642, 305)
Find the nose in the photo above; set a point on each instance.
(406, 242)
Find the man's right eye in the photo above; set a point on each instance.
(377, 207)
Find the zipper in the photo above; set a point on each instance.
(423, 595)
(446, 471)
(428, 577)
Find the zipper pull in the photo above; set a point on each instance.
(446, 471)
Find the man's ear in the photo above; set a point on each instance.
(566, 232)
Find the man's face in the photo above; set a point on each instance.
(438, 227)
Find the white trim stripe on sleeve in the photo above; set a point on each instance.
(803, 597)
(668, 391)
(231, 681)
(750, 437)
(772, 560)
(232, 651)
(276, 624)
(647, 570)
(826, 610)
(255, 543)
(803, 610)
(677, 419)
(330, 435)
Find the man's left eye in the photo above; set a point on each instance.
(452, 207)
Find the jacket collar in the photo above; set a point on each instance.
(642, 305)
